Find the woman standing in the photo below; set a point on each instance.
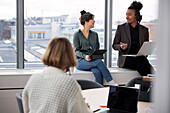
(85, 43)
(52, 91)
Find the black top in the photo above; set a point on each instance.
(135, 46)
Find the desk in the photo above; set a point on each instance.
(99, 96)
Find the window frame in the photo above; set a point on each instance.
(20, 34)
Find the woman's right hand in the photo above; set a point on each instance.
(87, 104)
(88, 58)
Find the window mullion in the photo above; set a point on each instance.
(20, 34)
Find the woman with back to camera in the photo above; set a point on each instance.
(129, 38)
(85, 43)
(52, 91)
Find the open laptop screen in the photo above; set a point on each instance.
(146, 49)
(123, 99)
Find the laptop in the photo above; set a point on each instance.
(122, 100)
(146, 49)
(98, 54)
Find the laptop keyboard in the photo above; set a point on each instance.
(115, 111)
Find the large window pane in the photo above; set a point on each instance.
(7, 34)
(47, 19)
(149, 14)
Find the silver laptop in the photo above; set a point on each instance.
(146, 49)
(122, 100)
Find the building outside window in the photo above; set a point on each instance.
(57, 18)
(7, 42)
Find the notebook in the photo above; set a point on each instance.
(122, 100)
(146, 49)
(98, 54)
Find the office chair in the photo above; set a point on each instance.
(145, 88)
(19, 101)
(87, 84)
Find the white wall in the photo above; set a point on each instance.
(9, 85)
(162, 79)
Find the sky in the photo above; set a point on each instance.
(45, 8)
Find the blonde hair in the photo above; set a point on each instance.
(60, 54)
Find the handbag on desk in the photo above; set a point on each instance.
(145, 88)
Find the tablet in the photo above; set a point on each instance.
(98, 54)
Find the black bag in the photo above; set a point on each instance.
(145, 88)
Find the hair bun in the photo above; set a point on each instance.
(82, 12)
(137, 5)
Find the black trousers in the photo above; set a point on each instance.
(141, 64)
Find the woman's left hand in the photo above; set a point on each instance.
(88, 58)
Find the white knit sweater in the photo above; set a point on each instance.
(51, 91)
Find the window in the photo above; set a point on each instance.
(56, 18)
(43, 21)
(8, 34)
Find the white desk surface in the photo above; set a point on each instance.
(99, 96)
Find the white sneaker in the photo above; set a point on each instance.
(113, 83)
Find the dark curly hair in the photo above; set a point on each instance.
(137, 6)
(85, 16)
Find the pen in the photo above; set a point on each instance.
(96, 110)
(102, 106)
